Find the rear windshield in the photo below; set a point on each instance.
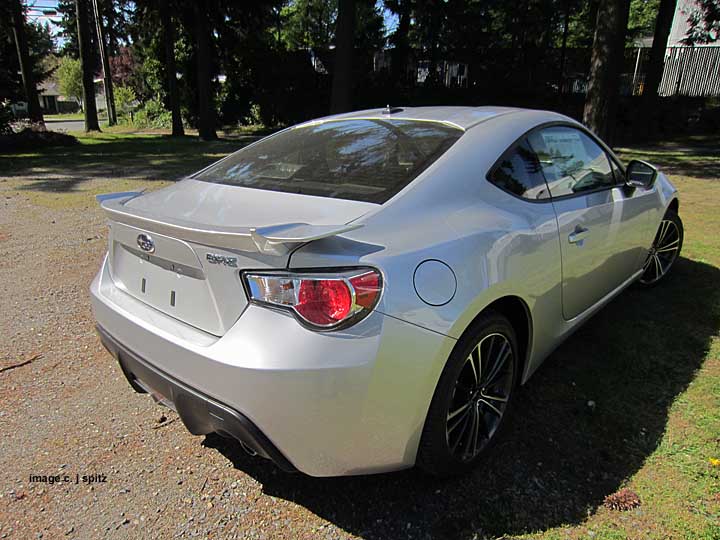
(361, 160)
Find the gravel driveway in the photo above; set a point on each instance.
(68, 411)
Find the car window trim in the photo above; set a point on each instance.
(555, 123)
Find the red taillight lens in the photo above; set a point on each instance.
(324, 301)
(320, 299)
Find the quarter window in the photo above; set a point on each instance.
(571, 161)
(519, 172)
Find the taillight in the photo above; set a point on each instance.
(320, 299)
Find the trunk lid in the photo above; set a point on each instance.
(181, 249)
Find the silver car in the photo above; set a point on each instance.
(365, 292)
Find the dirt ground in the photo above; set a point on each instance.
(128, 469)
(70, 412)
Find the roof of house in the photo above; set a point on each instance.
(48, 88)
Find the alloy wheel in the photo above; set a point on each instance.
(480, 396)
(663, 252)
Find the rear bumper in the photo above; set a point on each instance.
(332, 403)
(200, 414)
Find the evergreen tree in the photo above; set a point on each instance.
(26, 62)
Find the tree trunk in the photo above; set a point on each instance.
(341, 98)
(654, 71)
(86, 61)
(206, 103)
(402, 47)
(605, 66)
(172, 87)
(563, 48)
(112, 32)
(31, 93)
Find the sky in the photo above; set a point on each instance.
(35, 14)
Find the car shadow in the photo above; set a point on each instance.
(583, 424)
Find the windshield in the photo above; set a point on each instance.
(361, 160)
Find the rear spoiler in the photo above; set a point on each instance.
(272, 240)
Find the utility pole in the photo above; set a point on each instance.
(86, 61)
(107, 76)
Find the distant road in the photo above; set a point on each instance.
(65, 125)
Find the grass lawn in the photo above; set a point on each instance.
(160, 156)
(109, 161)
(648, 364)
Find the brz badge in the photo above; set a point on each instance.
(214, 258)
(146, 243)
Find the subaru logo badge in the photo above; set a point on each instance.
(146, 243)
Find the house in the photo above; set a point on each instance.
(49, 96)
(680, 24)
(51, 101)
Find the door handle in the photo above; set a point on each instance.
(578, 235)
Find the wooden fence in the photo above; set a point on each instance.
(691, 71)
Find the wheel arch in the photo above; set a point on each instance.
(515, 310)
(674, 205)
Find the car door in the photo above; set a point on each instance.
(602, 223)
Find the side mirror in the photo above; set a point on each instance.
(640, 174)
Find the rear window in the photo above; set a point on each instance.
(361, 160)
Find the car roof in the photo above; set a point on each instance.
(461, 117)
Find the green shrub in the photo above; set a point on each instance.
(255, 116)
(125, 100)
(153, 115)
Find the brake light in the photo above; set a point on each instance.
(321, 300)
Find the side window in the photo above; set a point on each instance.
(571, 161)
(519, 172)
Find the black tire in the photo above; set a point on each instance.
(436, 454)
(664, 251)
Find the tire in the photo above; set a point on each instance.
(447, 448)
(664, 251)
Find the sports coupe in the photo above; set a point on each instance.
(365, 292)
